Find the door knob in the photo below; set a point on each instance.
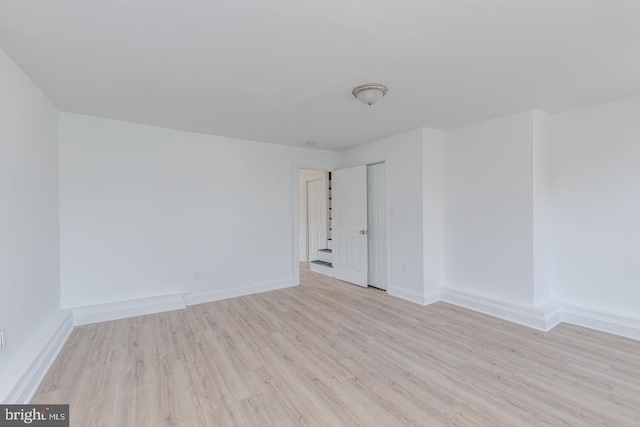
(363, 231)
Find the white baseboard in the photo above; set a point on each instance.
(553, 315)
(545, 318)
(203, 297)
(541, 318)
(123, 309)
(413, 296)
(132, 308)
(606, 322)
(54, 335)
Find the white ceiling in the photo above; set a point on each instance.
(282, 71)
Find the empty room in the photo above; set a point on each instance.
(336, 213)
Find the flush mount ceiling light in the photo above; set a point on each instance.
(370, 93)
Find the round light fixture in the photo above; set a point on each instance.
(370, 93)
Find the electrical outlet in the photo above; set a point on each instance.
(2, 340)
(196, 275)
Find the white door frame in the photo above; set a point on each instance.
(303, 214)
(387, 168)
(323, 229)
(298, 164)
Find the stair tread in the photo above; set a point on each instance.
(319, 262)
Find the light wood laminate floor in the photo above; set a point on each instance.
(332, 354)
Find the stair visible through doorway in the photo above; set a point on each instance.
(324, 263)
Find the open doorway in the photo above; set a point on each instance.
(314, 210)
(345, 238)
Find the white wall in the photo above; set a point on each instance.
(596, 207)
(488, 195)
(542, 208)
(29, 238)
(433, 209)
(143, 207)
(403, 156)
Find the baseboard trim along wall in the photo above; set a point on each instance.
(541, 318)
(139, 307)
(413, 296)
(606, 322)
(546, 317)
(123, 309)
(254, 288)
(54, 335)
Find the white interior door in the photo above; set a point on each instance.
(377, 226)
(317, 214)
(349, 196)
